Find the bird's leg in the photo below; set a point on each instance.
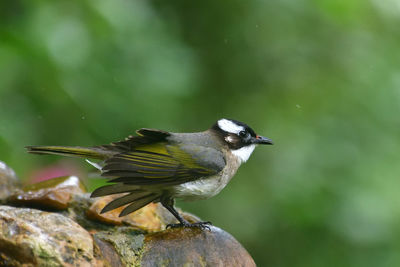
(168, 203)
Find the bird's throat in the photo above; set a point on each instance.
(244, 153)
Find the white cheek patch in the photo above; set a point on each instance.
(244, 153)
(229, 139)
(229, 126)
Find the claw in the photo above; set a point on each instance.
(201, 225)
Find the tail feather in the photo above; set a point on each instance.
(113, 189)
(118, 202)
(139, 203)
(73, 151)
(137, 200)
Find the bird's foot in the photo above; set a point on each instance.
(201, 225)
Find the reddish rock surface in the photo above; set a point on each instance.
(54, 193)
(151, 218)
(145, 218)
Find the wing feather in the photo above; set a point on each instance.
(145, 136)
(162, 163)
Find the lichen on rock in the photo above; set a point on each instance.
(42, 238)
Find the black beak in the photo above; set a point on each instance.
(261, 140)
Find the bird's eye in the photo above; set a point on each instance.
(242, 133)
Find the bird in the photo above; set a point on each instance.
(161, 166)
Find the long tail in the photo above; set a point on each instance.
(72, 151)
(137, 197)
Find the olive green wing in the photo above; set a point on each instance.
(145, 136)
(164, 164)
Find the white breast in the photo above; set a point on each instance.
(199, 189)
(208, 187)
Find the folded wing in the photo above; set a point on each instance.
(163, 163)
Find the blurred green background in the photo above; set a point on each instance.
(320, 78)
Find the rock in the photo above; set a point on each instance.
(194, 247)
(122, 243)
(109, 254)
(75, 234)
(172, 247)
(54, 193)
(150, 218)
(9, 182)
(145, 218)
(37, 238)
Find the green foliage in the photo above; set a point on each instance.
(320, 78)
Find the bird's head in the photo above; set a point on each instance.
(239, 137)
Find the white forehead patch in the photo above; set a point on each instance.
(244, 153)
(229, 126)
